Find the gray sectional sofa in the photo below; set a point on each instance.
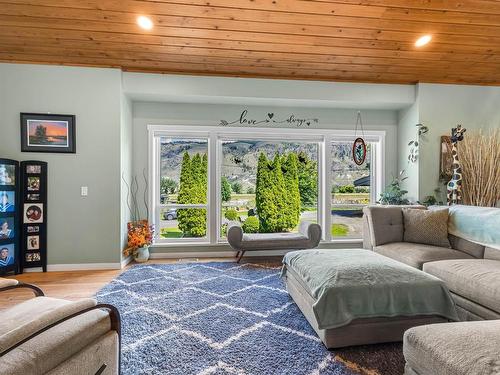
(470, 270)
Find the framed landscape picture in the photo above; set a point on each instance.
(47, 133)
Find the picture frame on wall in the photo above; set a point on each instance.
(33, 213)
(48, 133)
(7, 228)
(7, 255)
(7, 174)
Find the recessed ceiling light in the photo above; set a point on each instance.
(423, 40)
(145, 22)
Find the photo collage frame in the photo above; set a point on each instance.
(34, 215)
(9, 216)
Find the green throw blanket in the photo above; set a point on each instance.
(354, 283)
(476, 224)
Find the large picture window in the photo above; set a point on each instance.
(204, 178)
(268, 185)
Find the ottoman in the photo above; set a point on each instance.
(465, 348)
(358, 297)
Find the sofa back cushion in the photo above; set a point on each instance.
(426, 227)
(471, 248)
(385, 224)
(491, 253)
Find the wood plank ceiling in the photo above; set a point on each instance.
(336, 40)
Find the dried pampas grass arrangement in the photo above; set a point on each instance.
(479, 154)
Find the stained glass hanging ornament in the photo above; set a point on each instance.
(359, 145)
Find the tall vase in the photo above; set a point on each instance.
(142, 254)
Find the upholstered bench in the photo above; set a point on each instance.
(308, 237)
(464, 348)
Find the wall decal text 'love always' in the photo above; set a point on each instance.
(270, 119)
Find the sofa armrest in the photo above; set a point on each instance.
(384, 224)
(9, 284)
(235, 235)
(59, 318)
(64, 337)
(312, 231)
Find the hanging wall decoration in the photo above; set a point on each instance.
(359, 145)
(415, 143)
(41, 132)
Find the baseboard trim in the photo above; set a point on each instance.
(34, 269)
(84, 267)
(126, 261)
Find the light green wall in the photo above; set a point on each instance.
(125, 165)
(112, 135)
(80, 229)
(442, 107)
(407, 131)
(151, 113)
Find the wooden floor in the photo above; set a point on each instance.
(73, 285)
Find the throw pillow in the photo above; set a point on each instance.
(426, 226)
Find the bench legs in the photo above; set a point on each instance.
(239, 256)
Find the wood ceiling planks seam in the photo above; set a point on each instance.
(309, 39)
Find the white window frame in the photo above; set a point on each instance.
(377, 175)
(154, 191)
(216, 135)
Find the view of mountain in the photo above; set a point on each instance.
(240, 158)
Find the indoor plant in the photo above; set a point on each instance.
(393, 193)
(140, 233)
(140, 237)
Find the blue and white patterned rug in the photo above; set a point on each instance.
(226, 318)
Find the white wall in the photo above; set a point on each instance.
(80, 229)
(442, 107)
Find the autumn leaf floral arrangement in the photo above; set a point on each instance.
(140, 233)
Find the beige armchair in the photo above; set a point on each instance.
(45, 335)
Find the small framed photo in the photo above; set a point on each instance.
(33, 169)
(47, 133)
(33, 197)
(33, 229)
(7, 255)
(7, 201)
(33, 242)
(29, 257)
(36, 257)
(33, 183)
(6, 228)
(33, 213)
(7, 174)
